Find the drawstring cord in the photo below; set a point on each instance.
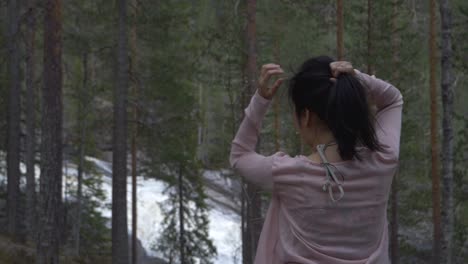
(330, 175)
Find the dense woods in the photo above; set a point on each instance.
(117, 120)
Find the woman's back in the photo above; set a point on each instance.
(350, 229)
(323, 212)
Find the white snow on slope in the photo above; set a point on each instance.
(224, 226)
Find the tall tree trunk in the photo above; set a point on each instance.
(339, 29)
(83, 99)
(13, 142)
(119, 160)
(276, 102)
(30, 120)
(447, 128)
(246, 253)
(181, 216)
(394, 244)
(254, 199)
(370, 59)
(245, 231)
(434, 142)
(51, 143)
(134, 83)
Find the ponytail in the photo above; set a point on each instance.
(342, 105)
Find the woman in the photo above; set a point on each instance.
(330, 206)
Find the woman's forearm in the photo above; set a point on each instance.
(382, 93)
(249, 130)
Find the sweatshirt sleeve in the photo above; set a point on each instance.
(389, 103)
(254, 167)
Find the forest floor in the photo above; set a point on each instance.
(15, 253)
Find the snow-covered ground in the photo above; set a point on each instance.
(224, 227)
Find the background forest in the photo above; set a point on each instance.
(119, 115)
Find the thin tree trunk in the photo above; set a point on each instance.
(30, 121)
(276, 103)
(246, 253)
(447, 128)
(120, 254)
(13, 142)
(134, 72)
(246, 248)
(339, 29)
(434, 142)
(181, 216)
(51, 143)
(394, 244)
(201, 126)
(83, 98)
(254, 199)
(369, 38)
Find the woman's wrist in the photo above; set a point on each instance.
(261, 98)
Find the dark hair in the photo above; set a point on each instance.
(341, 105)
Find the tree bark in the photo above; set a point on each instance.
(13, 121)
(370, 68)
(82, 100)
(447, 81)
(394, 243)
(339, 29)
(246, 253)
(254, 199)
(120, 254)
(181, 216)
(134, 83)
(51, 144)
(434, 141)
(30, 120)
(276, 100)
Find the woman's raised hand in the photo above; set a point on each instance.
(266, 90)
(339, 67)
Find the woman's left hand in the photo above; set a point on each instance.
(264, 88)
(339, 67)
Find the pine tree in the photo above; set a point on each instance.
(119, 160)
(254, 201)
(370, 68)
(51, 141)
(339, 29)
(30, 119)
(447, 81)
(185, 235)
(13, 141)
(134, 84)
(394, 243)
(83, 99)
(434, 142)
(184, 238)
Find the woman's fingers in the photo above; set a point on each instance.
(265, 77)
(338, 67)
(276, 86)
(267, 67)
(270, 73)
(267, 71)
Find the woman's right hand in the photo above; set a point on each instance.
(264, 88)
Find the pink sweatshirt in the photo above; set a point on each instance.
(302, 224)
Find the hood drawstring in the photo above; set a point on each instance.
(330, 175)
